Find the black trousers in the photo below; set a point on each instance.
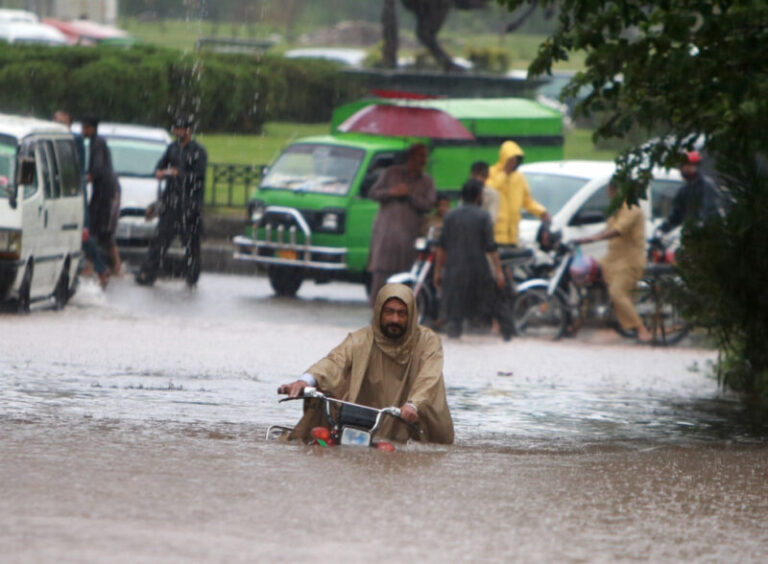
(188, 226)
(498, 304)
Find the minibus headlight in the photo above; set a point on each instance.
(10, 242)
(330, 221)
(257, 209)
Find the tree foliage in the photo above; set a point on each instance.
(697, 69)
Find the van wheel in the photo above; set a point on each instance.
(61, 293)
(285, 281)
(25, 289)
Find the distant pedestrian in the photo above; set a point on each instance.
(435, 219)
(514, 194)
(104, 209)
(90, 248)
(698, 200)
(480, 171)
(624, 263)
(183, 168)
(461, 265)
(405, 193)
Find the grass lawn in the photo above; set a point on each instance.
(262, 149)
(182, 34)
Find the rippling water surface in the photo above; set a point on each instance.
(132, 424)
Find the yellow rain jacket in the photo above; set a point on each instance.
(514, 195)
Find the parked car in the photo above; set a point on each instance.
(574, 192)
(23, 32)
(18, 16)
(345, 56)
(41, 211)
(135, 152)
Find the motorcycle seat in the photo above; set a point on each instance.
(515, 255)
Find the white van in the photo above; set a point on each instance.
(41, 211)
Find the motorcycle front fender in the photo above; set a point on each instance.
(532, 283)
(402, 278)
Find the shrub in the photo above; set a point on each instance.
(489, 59)
(150, 85)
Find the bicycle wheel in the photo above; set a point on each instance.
(657, 307)
(537, 314)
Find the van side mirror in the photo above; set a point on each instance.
(25, 176)
(10, 190)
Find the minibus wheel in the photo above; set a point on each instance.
(61, 293)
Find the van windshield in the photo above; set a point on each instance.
(7, 166)
(552, 190)
(326, 169)
(135, 157)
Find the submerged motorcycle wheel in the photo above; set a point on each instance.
(539, 315)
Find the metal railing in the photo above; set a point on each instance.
(231, 184)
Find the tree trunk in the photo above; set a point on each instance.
(389, 34)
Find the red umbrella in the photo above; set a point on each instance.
(405, 121)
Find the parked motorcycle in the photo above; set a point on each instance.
(576, 293)
(519, 264)
(349, 424)
(420, 278)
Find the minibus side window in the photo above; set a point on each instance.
(68, 167)
(54, 168)
(27, 150)
(379, 162)
(45, 170)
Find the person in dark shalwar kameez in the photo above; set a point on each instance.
(462, 268)
(181, 205)
(406, 193)
(104, 208)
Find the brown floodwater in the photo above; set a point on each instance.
(132, 430)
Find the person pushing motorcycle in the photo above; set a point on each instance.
(394, 361)
(624, 263)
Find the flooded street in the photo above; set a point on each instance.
(132, 430)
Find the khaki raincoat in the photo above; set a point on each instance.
(514, 195)
(371, 369)
(624, 263)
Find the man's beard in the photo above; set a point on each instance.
(393, 331)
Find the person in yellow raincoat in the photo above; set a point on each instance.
(393, 362)
(624, 263)
(514, 194)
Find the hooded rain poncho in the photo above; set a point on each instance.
(371, 369)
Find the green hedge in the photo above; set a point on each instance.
(149, 85)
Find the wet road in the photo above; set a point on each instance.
(132, 424)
